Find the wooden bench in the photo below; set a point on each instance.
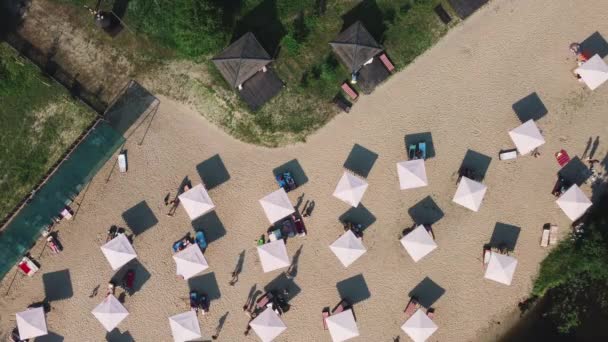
(349, 91)
(387, 63)
(342, 103)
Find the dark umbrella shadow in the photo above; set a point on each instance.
(139, 218)
(57, 285)
(595, 44)
(207, 284)
(505, 236)
(414, 139)
(293, 167)
(211, 225)
(353, 289)
(530, 107)
(359, 215)
(427, 292)
(426, 212)
(476, 162)
(213, 172)
(360, 160)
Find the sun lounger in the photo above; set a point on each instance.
(66, 213)
(122, 162)
(553, 235)
(325, 313)
(264, 300)
(562, 157)
(349, 91)
(387, 63)
(544, 240)
(199, 238)
(487, 251)
(422, 150)
(343, 305)
(430, 313)
(507, 155)
(412, 306)
(27, 266)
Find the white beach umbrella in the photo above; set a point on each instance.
(469, 194)
(31, 323)
(350, 189)
(574, 202)
(419, 327)
(110, 312)
(348, 248)
(118, 251)
(185, 327)
(501, 268)
(277, 205)
(342, 326)
(196, 202)
(190, 261)
(418, 243)
(412, 174)
(268, 325)
(273, 255)
(526, 137)
(593, 72)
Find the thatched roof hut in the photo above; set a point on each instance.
(355, 46)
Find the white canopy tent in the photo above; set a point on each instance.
(469, 194)
(574, 202)
(31, 323)
(185, 327)
(268, 325)
(419, 327)
(276, 205)
(351, 189)
(348, 248)
(110, 312)
(118, 251)
(196, 202)
(412, 174)
(593, 72)
(342, 326)
(526, 137)
(418, 243)
(273, 255)
(190, 261)
(501, 268)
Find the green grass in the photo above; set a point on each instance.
(39, 121)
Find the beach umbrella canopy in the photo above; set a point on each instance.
(526, 137)
(268, 325)
(469, 194)
(593, 72)
(355, 46)
(185, 327)
(418, 243)
(196, 202)
(419, 327)
(351, 188)
(348, 248)
(412, 174)
(501, 268)
(574, 202)
(31, 323)
(273, 255)
(110, 312)
(190, 261)
(118, 251)
(342, 326)
(277, 205)
(241, 60)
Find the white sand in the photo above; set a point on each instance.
(461, 90)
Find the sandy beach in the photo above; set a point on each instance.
(461, 91)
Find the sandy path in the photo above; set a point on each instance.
(461, 90)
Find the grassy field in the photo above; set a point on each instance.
(39, 121)
(295, 32)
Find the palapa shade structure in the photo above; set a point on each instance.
(593, 72)
(350, 189)
(190, 261)
(412, 174)
(574, 202)
(355, 46)
(268, 325)
(418, 243)
(185, 327)
(470, 194)
(241, 60)
(31, 323)
(273, 255)
(276, 205)
(342, 326)
(526, 137)
(501, 268)
(348, 248)
(419, 327)
(196, 202)
(118, 251)
(110, 312)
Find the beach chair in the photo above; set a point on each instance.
(411, 151)
(412, 306)
(387, 63)
(343, 305)
(422, 150)
(263, 301)
(27, 266)
(122, 162)
(544, 239)
(553, 234)
(487, 251)
(430, 313)
(562, 157)
(325, 314)
(507, 154)
(66, 213)
(349, 91)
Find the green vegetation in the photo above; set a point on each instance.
(574, 276)
(39, 121)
